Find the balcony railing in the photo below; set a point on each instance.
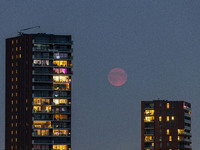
(187, 121)
(41, 57)
(42, 126)
(42, 80)
(42, 95)
(42, 88)
(41, 103)
(42, 111)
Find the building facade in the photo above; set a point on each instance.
(38, 92)
(165, 125)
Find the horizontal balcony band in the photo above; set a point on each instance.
(50, 66)
(52, 58)
(50, 135)
(53, 43)
(51, 104)
(50, 119)
(53, 127)
(51, 112)
(35, 49)
(50, 142)
(51, 73)
(49, 149)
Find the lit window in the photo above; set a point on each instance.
(16, 86)
(16, 48)
(12, 87)
(12, 102)
(170, 138)
(179, 138)
(160, 118)
(16, 124)
(16, 71)
(16, 79)
(16, 101)
(16, 109)
(11, 124)
(167, 131)
(12, 71)
(12, 132)
(16, 132)
(15, 139)
(148, 138)
(12, 95)
(11, 139)
(20, 55)
(16, 117)
(20, 48)
(12, 64)
(16, 94)
(149, 112)
(167, 118)
(12, 117)
(12, 42)
(172, 117)
(16, 41)
(148, 119)
(168, 105)
(180, 131)
(12, 79)
(12, 57)
(152, 144)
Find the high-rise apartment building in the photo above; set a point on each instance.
(165, 125)
(38, 92)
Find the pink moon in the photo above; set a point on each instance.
(117, 77)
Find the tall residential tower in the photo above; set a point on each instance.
(165, 125)
(38, 92)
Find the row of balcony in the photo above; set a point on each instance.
(49, 80)
(47, 49)
(49, 149)
(52, 65)
(49, 119)
(50, 72)
(54, 42)
(52, 57)
(52, 111)
(52, 95)
(51, 103)
(56, 126)
(35, 134)
(50, 142)
(55, 88)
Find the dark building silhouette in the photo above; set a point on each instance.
(38, 92)
(165, 125)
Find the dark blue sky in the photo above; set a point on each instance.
(157, 42)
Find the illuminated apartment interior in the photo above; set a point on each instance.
(38, 92)
(165, 125)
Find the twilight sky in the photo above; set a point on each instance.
(157, 42)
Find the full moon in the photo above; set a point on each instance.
(117, 77)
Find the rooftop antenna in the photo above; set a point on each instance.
(20, 32)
